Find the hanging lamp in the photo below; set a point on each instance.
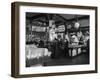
(77, 24)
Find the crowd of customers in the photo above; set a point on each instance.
(59, 47)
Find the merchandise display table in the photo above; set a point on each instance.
(75, 50)
(32, 53)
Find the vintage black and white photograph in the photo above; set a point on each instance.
(52, 39)
(57, 39)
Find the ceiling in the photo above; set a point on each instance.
(58, 18)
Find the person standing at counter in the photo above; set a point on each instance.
(53, 48)
(88, 46)
(67, 40)
(75, 40)
(41, 44)
(58, 47)
(87, 40)
(86, 37)
(66, 54)
(67, 37)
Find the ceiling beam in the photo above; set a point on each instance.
(61, 17)
(36, 16)
(79, 18)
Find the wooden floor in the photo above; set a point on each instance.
(80, 59)
(47, 61)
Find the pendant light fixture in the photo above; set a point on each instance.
(76, 25)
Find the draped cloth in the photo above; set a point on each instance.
(32, 53)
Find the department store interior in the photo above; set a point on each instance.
(56, 39)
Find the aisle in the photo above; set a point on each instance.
(80, 59)
(47, 61)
